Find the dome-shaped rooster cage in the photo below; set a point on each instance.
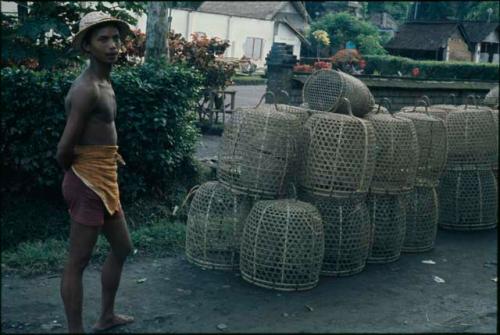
(258, 149)
(347, 233)
(388, 225)
(468, 200)
(421, 209)
(396, 154)
(432, 147)
(214, 226)
(282, 245)
(340, 155)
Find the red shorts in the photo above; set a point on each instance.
(85, 206)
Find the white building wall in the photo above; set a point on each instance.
(235, 29)
(9, 7)
(286, 35)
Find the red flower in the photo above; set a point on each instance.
(415, 72)
(362, 64)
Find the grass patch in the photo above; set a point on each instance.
(159, 239)
(249, 80)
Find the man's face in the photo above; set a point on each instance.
(104, 44)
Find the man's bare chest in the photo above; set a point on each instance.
(105, 107)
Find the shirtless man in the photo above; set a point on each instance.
(91, 112)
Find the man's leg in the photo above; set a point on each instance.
(117, 234)
(82, 240)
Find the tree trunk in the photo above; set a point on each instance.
(22, 10)
(157, 31)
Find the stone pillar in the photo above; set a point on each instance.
(280, 61)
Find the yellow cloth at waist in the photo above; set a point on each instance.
(96, 166)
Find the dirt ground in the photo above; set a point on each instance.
(177, 297)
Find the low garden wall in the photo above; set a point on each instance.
(402, 91)
(405, 92)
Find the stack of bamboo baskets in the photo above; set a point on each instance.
(324, 188)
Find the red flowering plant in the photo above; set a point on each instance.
(302, 68)
(322, 65)
(347, 60)
(133, 48)
(415, 72)
(206, 55)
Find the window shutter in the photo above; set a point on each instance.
(247, 48)
(257, 48)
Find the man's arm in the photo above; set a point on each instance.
(83, 101)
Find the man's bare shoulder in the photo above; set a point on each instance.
(84, 88)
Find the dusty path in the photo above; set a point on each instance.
(180, 297)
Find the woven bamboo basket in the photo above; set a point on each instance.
(382, 107)
(347, 233)
(494, 117)
(491, 99)
(258, 149)
(324, 90)
(421, 209)
(388, 226)
(214, 226)
(340, 155)
(282, 245)
(471, 133)
(432, 147)
(396, 154)
(468, 200)
(470, 136)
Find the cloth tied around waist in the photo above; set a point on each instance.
(96, 166)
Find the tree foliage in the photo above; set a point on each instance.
(40, 39)
(455, 10)
(343, 27)
(397, 9)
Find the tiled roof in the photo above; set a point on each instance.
(423, 35)
(264, 10)
(477, 31)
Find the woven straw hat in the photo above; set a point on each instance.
(92, 19)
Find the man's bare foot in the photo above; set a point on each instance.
(116, 320)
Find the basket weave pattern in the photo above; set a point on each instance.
(421, 209)
(214, 226)
(257, 151)
(388, 226)
(396, 154)
(468, 200)
(282, 245)
(347, 233)
(340, 155)
(432, 147)
(324, 90)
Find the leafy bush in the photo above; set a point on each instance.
(343, 27)
(155, 126)
(27, 38)
(29, 217)
(390, 65)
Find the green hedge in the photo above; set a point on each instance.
(439, 70)
(155, 123)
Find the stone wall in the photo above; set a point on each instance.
(405, 92)
(401, 91)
